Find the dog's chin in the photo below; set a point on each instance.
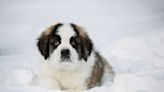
(68, 60)
(67, 64)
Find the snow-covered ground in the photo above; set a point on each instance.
(129, 33)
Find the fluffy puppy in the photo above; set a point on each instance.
(70, 60)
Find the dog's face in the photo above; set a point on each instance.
(65, 44)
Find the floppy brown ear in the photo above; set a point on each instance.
(43, 41)
(86, 42)
(43, 46)
(87, 47)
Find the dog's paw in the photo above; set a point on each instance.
(74, 90)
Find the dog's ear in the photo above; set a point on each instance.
(43, 45)
(87, 47)
(44, 40)
(86, 42)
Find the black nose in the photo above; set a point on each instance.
(65, 53)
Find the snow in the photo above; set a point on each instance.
(129, 33)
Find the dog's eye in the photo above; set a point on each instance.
(56, 43)
(73, 41)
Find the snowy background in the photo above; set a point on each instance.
(129, 33)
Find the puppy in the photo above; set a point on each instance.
(70, 60)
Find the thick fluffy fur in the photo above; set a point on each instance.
(71, 61)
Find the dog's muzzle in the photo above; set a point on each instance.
(65, 55)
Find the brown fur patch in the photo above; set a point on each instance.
(49, 30)
(81, 31)
(97, 72)
(44, 40)
(85, 42)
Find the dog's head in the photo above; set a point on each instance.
(65, 43)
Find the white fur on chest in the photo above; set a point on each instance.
(69, 79)
(73, 79)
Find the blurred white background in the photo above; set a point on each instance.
(129, 33)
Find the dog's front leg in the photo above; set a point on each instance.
(74, 90)
(48, 82)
